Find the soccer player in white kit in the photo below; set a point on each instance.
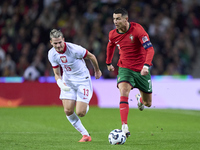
(75, 83)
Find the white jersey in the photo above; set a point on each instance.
(71, 61)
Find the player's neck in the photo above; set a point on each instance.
(63, 50)
(125, 28)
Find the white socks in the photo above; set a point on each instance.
(76, 122)
(87, 109)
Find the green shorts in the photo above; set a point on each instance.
(135, 79)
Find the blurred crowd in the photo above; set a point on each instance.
(173, 27)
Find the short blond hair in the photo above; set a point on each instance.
(55, 34)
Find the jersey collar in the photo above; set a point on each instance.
(65, 48)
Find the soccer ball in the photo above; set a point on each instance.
(116, 136)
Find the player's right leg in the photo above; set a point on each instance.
(125, 130)
(124, 89)
(125, 83)
(68, 106)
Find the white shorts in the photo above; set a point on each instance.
(80, 91)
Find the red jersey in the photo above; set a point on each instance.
(134, 46)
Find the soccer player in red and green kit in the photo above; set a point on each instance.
(136, 54)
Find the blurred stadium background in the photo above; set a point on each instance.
(173, 27)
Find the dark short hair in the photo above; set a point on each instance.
(121, 11)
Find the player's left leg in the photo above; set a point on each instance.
(74, 119)
(81, 110)
(146, 98)
(143, 83)
(84, 94)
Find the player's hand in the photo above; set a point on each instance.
(144, 71)
(62, 85)
(66, 88)
(97, 74)
(110, 68)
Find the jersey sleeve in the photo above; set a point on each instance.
(145, 41)
(110, 50)
(54, 64)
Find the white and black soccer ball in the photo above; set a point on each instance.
(116, 136)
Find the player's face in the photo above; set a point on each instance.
(119, 21)
(58, 44)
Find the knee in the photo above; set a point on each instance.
(68, 112)
(124, 91)
(81, 113)
(147, 104)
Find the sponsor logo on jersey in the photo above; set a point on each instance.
(131, 37)
(144, 39)
(63, 59)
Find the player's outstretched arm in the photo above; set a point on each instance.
(92, 58)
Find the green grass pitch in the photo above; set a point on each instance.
(47, 128)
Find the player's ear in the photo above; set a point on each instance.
(126, 18)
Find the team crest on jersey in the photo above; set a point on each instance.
(118, 78)
(131, 37)
(63, 59)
